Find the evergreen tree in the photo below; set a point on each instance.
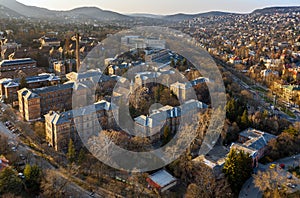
(237, 168)
(184, 62)
(10, 182)
(32, 178)
(71, 152)
(244, 120)
(231, 110)
(81, 156)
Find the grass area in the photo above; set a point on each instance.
(287, 111)
(281, 107)
(266, 99)
(260, 89)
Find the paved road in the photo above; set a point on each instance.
(36, 158)
(258, 95)
(250, 191)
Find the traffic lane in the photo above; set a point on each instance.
(6, 131)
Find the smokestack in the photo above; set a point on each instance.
(77, 52)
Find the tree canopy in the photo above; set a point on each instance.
(10, 182)
(237, 168)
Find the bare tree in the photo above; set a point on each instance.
(271, 182)
(53, 185)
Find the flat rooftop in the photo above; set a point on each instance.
(162, 178)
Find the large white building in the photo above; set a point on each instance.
(140, 42)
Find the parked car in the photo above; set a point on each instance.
(291, 185)
(21, 175)
(23, 157)
(272, 166)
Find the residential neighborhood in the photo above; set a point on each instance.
(95, 103)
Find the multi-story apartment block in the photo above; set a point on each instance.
(184, 91)
(148, 77)
(153, 124)
(161, 56)
(291, 92)
(49, 42)
(59, 68)
(8, 68)
(141, 42)
(61, 127)
(9, 87)
(37, 102)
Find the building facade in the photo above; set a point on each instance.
(9, 68)
(37, 102)
(61, 127)
(9, 87)
(153, 125)
(253, 142)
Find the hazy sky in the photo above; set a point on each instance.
(162, 6)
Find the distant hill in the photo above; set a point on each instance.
(8, 13)
(13, 8)
(43, 13)
(28, 11)
(154, 16)
(95, 13)
(181, 16)
(272, 10)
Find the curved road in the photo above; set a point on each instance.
(250, 191)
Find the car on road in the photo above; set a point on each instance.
(272, 166)
(291, 185)
(282, 166)
(21, 175)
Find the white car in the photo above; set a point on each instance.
(21, 175)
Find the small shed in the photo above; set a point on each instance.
(161, 180)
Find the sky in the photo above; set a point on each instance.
(163, 6)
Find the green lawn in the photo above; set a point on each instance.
(260, 89)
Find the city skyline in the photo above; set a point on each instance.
(165, 7)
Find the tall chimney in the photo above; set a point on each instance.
(77, 53)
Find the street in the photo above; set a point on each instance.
(250, 191)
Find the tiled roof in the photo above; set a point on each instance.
(182, 85)
(256, 139)
(30, 95)
(160, 115)
(64, 117)
(32, 79)
(241, 147)
(53, 88)
(199, 80)
(17, 62)
(12, 84)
